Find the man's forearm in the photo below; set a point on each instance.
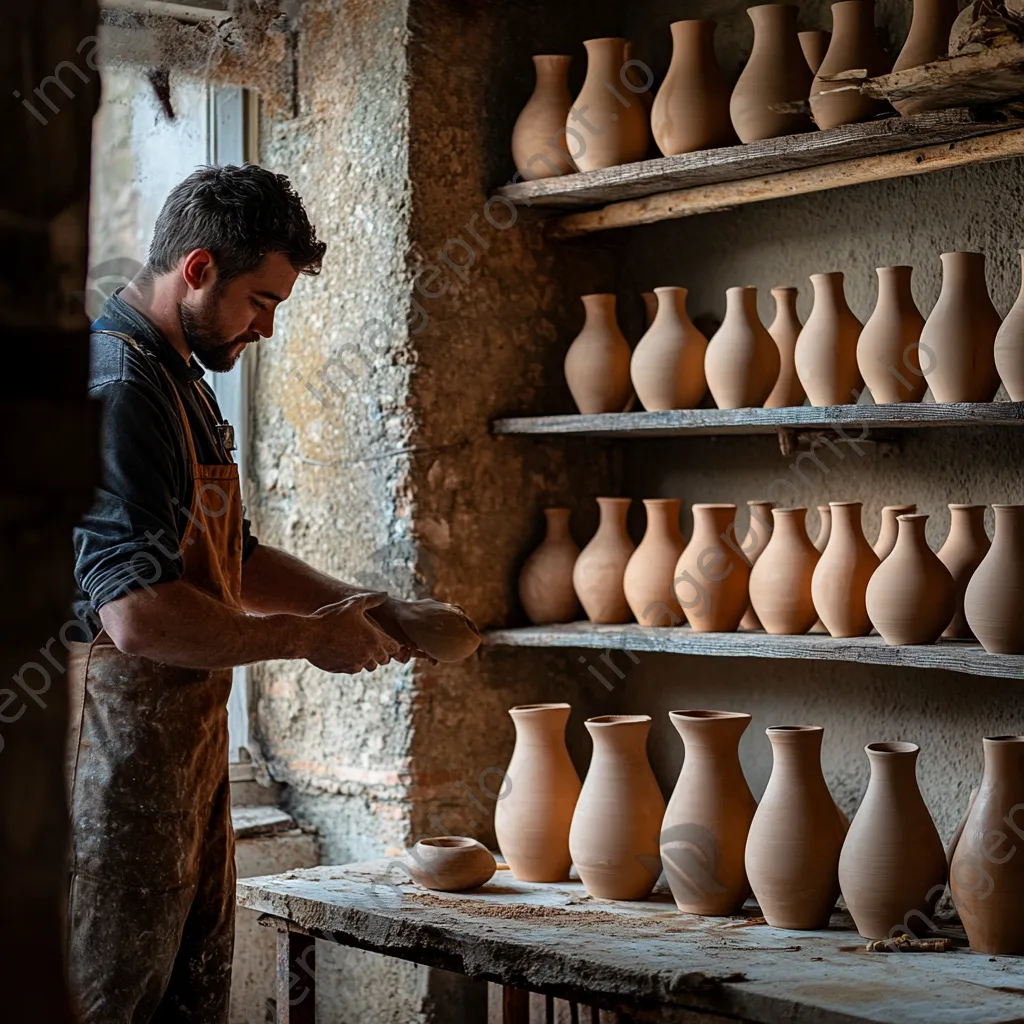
(274, 581)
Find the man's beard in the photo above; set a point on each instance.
(199, 326)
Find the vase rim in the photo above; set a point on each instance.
(741, 289)
(898, 266)
(831, 275)
(449, 842)
(552, 56)
(785, 288)
(661, 501)
(669, 288)
(713, 505)
(702, 715)
(912, 517)
(906, 505)
(844, 504)
(967, 506)
(789, 730)
(1002, 740)
(607, 721)
(614, 501)
(760, 501)
(605, 39)
(789, 510)
(692, 21)
(526, 709)
(598, 295)
(557, 508)
(1007, 506)
(892, 747)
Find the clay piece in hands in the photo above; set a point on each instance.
(442, 631)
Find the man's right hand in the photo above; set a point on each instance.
(342, 638)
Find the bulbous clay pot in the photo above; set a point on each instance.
(928, 40)
(776, 73)
(597, 362)
(599, 571)
(785, 329)
(840, 579)
(1009, 347)
(711, 575)
(911, 596)
(668, 362)
(648, 578)
(814, 45)
(755, 540)
(887, 352)
(892, 868)
(780, 581)
(994, 601)
(691, 110)
(987, 872)
(966, 545)
(792, 854)
(607, 124)
(742, 361)
(958, 339)
(539, 146)
(704, 834)
(889, 528)
(545, 582)
(615, 829)
(442, 631)
(854, 44)
(820, 542)
(535, 807)
(826, 351)
(450, 863)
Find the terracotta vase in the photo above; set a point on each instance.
(608, 121)
(966, 545)
(776, 73)
(639, 80)
(648, 578)
(780, 581)
(742, 361)
(1009, 347)
(545, 582)
(599, 571)
(814, 45)
(691, 109)
(535, 807)
(450, 863)
(958, 339)
(887, 352)
(539, 145)
(792, 854)
(755, 540)
(987, 872)
(668, 362)
(911, 596)
(711, 575)
(889, 528)
(785, 329)
(826, 351)
(820, 542)
(597, 362)
(892, 869)
(854, 44)
(617, 822)
(840, 579)
(928, 40)
(704, 834)
(994, 600)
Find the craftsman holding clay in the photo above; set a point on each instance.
(176, 592)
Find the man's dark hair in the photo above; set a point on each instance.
(240, 214)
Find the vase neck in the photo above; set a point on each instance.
(710, 735)
(911, 529)
(1009, 524)
(968, 520)
(605, 58)
(552, 70)
(741, 302)
(790, 523)
(963, 269)
(623, 737)
(691, 39)
(1004, 757)
(599, 308)
(558, 523)
(540, 723)
(796, 749)
(853, 17)
(893, 762)
(773, 22)
(662, 517)
(785, 301)
(713, 522)
(846, 518)
(894, 283)
(613, 515)
(671, 304)
(828, 289)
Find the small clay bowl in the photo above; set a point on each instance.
(450, 863)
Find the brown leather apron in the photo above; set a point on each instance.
(152, 877)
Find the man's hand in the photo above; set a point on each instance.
(341, 637)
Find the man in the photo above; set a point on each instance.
(176, 592)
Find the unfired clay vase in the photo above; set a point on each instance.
(1009, 347)
(887, 352)
(704, 834)
(820, 542)
(598, 573)
(755, 540)
(793, 846)
(854, 44)
(607, 124)
(776, 73)
(742, 361)
(840, 579)
(826, 351)
(911, 596)
(711, 575)
(537, 800)
(648, 578)
(785, 329)
(597, 362)
(539, 146)
(966, 545)
(958, 340)
(780, 581)
(450, 863)
(928, 40)
(889, 528)
(814, 44)
(691, 110)
(545, 582)
(442, 631)
(892, 869)
(668, 362)
(615, 829)
(987, 873)
(994, 602)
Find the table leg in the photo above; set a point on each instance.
(296, 978)
(507, 1005)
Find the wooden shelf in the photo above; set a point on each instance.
(948, 655)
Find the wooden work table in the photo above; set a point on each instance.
(636, 961)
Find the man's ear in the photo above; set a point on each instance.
(199, 269)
